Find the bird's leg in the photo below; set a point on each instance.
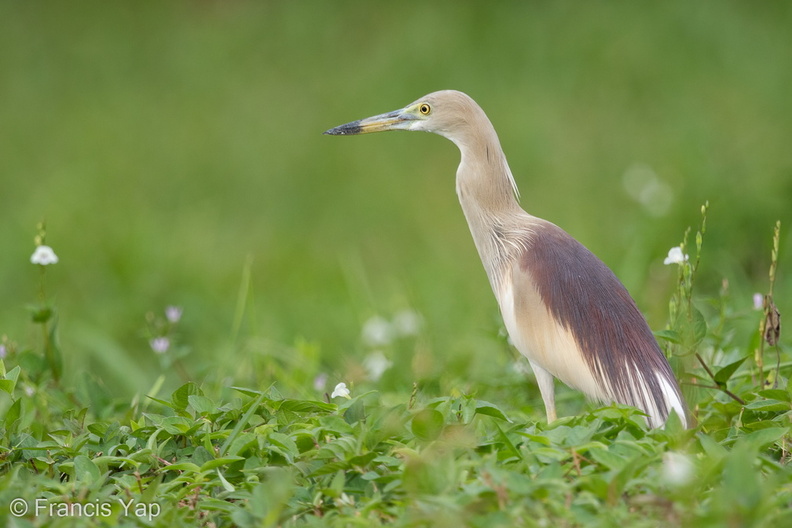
(545, 381)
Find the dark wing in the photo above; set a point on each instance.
(585, 297)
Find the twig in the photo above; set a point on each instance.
(717, 385)
(770, 324)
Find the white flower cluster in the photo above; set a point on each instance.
(378, 331)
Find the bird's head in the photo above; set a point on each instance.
(447, 113)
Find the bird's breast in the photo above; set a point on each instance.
(538, 336)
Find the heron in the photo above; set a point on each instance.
(563, 308)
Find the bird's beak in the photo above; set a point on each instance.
(396, 120)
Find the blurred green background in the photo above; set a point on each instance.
(169, 144)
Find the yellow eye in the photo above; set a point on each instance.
(425, 109)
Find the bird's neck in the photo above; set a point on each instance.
(487, 194)
(484, 182)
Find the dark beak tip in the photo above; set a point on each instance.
(344, 130)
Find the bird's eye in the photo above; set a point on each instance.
(425, 109)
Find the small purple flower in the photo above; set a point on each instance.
(160, 345)
(758, 301)
(173, 314)
(320, 382)
(3, 352)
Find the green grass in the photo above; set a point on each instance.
(175, 152)
(244, 457)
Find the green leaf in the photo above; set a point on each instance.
(336, 485)
(539, 439)
(427, 424)
(775, 394)
(590, 446)
(673, 425)
(306, 406)
(187, 467)
(723, 375)
(240, 425)
(768, 406)
(12, 415)
(356, 412)
(98, 428)
(335, 424)
(699, 326)
(608, 459)
(285, 442)
(176, 425)
(217, 462)
(211, 504)
(161, 402)
(226, 485)
(740, 484)
(672, 336)
(490, 409)
(763, 437)
(711, 447)
(201, 404)
(330, 467)
(248, 392)
(508, 443)
(104, 460)
(85, 470)
(361, 461)
(180, 396)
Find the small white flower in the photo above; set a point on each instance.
(677, 468)
(3, 351)
(376, 364)
(160, 345)
(377, 331)
(173, 313)
(675, 256)
(320, 381)
(758, 301)
(341, 391)
(44, 255)
(29, 391)
(407, 322)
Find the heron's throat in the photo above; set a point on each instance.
(487, 193)
(484, 181)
